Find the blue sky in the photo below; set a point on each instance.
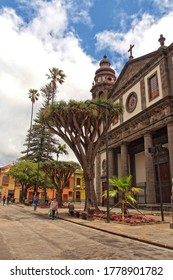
(72, 35)
(89, 20)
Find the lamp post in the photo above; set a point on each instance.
(156, 150)
(106, 106)
(107, 168)
(171, 224)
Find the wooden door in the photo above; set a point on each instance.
(165, 182)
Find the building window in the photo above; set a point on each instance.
(65, 197)
(131, 102)
(78, 181)
(70, 194)
(5, 180)
(153, 87)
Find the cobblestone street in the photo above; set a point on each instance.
(26, 234)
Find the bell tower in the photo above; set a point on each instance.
(104, 79)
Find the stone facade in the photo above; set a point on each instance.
(145, 87)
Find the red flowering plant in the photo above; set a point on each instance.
(130, 218)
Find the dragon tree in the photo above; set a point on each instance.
(82, 126)
(59, 172)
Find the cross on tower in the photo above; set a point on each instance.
(130, 50)
(162, 40)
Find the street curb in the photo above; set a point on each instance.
(122, 235)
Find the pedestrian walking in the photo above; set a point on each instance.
(54, 208)
(0, 198)
(4, 199)
(35, 202)
(8, 199)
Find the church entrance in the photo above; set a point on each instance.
(161, 163)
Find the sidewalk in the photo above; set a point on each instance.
(159, 234)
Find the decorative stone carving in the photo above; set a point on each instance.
(142, 122)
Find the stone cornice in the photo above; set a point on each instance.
(153, 118)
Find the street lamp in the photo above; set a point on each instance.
(171, 224)
(106, 106)
(156, 150)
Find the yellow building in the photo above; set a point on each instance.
(79, 186)
(74, 190)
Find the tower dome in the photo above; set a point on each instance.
(104, 79)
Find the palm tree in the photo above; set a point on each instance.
(127, 192)
(33, 95)
(56, 75)
(62, 149)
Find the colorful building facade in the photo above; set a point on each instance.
(8, 186)
(79, 186)
(73, 191)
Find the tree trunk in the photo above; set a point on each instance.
(59, 196)
(90, 200)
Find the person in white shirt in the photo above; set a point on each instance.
(54, 207)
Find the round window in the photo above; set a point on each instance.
(131, 102)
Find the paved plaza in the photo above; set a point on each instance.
(29, 234)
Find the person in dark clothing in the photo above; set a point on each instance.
(4, 199)
(8, 199)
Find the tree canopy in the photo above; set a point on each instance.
(26, 173)
(59, 173)
(82, 126)
(43, 144)
(56, 76)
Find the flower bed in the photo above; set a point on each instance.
(129, 219)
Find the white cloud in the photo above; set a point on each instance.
(164, 5)
(27, 51)
(79, 11)
(143, 33)
(51, 21)
(48, 39)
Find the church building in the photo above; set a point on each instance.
(141, 140)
